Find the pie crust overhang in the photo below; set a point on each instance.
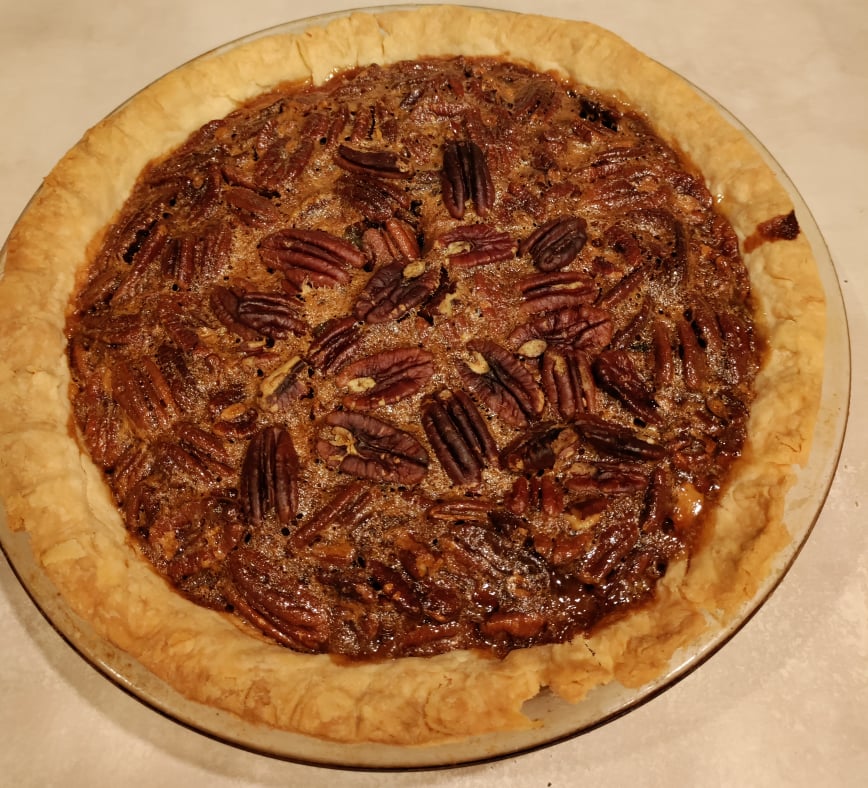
(54, 493)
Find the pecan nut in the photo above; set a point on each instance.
(694, 363)
(664, 358)
(556, 244)
(349, 507)
(310, 255)
(536, 100)
(613, 440)
(269, 477)
(541, 494)
(396, 240)
(199, 258)
(607, 479)
(611, 544)
(465, 176)
(333, 343)
(377, 199)
(615, 371)
(568, 382)
(502, 382)
(144, 395)
(533, 451)
(395, 289)
(554, 290)
(461, 510)
(253, 209)
(250, 315)
(459, 436)
(740, 343)
(386, 377)
(289, 382)
(476, 244)
(283, 610)
(582, 328)
(382, 164)
(369, 448)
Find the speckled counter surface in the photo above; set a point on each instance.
(784, 703)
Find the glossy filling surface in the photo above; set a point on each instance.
(445, 354)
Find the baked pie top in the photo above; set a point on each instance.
(474, 362)
(442, 354)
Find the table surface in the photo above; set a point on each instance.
(785, 701)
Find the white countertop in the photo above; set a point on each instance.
(786, 701)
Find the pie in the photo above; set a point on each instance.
(366, 381)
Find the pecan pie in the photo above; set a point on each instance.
(453, 354)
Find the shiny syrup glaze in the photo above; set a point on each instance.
(446, 354)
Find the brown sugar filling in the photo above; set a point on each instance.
(445, 354)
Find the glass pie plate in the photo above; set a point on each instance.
(558, 719)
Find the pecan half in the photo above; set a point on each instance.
(333, 343)
(458, 435)
(549, 291)
(144, 394)
(377, 199)
(382, 164)
(741, 345)
(607, 479)
(278, 165)
(280, 608)
(208, 448)
(394, 290)
(465, 176)
(370, 448)
(461, 510)
(392, 584)
(704, 323)
(502, 382)
(556, 244)
(310, 255)
(568, 382)
(613, 541)
(694, 363)
(273, 315)
(385, 377)
(533, 451)
(102, 423)
(396, 240)
(253, 209)
(350, 506)
(269, 477)
(237, 421)
(583, 327)
(541, 494)
(476, 244)
(437, 304)
(613, 440)
(153, 250)
(615, 372)
(200, 258)
(536, 100)
(289, 382)
(664, 360)
(113, 329)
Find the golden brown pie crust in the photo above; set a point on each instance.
(53, 491)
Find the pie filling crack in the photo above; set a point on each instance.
(444, 354)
